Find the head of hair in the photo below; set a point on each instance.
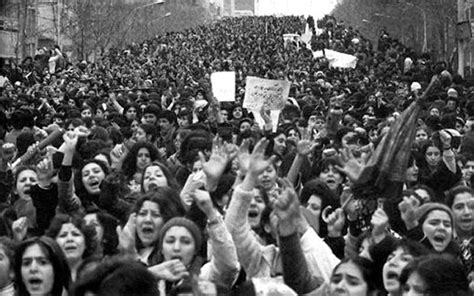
(129, 166)
(110, 239)
(168, 115)
(166, 171)
(365, 267)
(453, 192)
(150, 130)
(81, 191)
(167, 200)
(87, 231)
(324, 164)
(53, 252)
(117, 276)
(441, 275)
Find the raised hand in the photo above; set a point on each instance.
(171, 270)
(126, 235)
(304, 147)
(335, 222)
(204, 202)
(45, 171)
(379, 223)
(70, 141)
(353, 168)
(7, 152)
(257, 161)
(19, 229)
(445, 139)
(243, 156)
(288, 210)
(194, 182)
(215, 166)
(407, 213)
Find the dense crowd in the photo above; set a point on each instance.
(125, 176)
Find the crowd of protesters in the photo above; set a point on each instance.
(126, 177)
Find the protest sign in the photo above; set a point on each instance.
(337, 59)
(271, 94)
(289, 38)
(223, 86)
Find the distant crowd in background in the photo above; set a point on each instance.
(127, 177)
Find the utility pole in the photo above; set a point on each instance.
(461, 58)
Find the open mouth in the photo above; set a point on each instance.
(27, 190)
(253, 213)
(152, 185)
(392, 275)
(147, 230)
(94, 183)
(176, 257)
(35, 282)
(439, 238)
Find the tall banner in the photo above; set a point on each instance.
(223, 86)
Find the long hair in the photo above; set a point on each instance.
(169, 176)
(62, 275)
(129, 166)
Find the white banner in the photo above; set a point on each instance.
(223, 86)
(337, 59)
(261, 92)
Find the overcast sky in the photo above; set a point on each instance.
(317, 8)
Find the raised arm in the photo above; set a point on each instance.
(296, 273)
(249, 250)
(67, 201)
(224, 266)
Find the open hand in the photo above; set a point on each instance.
(126, 235)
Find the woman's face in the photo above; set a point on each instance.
(434, 112)
(149, 223)
(393, 267)
(411, 174)
(432, 156)
(257, 205)
(347, 280)
(314, 205)
(6, 269)
(197, 167)
(154, 177)
(279, 145)
(92, 177)
(268, 178)
(131, 113)
(237, 113)
(415, 286)
(178, 243)
(86, 113)
(293, 136)
(140, 135)
(134, 126)
(421, 135)
(92, 220)
(143, 158)
(438, 229)
(72, 242)
(26, 179)
(332, 177)
(37, 272)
